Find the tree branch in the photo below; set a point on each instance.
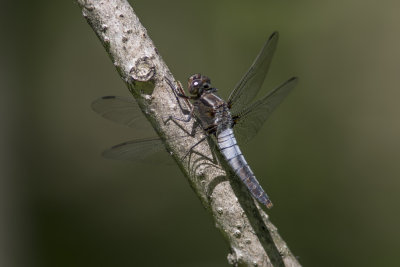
(253, 239)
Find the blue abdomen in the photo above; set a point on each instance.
(229, 148)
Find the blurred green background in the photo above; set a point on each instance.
(328, 157)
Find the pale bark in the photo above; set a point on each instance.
(253, 239)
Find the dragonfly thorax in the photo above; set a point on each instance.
(212, 111)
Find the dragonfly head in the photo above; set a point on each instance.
(198, 84)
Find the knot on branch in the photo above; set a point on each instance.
(141, 76)
(143, 70)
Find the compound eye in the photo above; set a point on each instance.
(195, 83)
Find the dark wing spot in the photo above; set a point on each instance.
(109, 97)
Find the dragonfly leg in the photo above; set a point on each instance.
(187, 119)
(210, 130)
(179, 93)
(191, 149)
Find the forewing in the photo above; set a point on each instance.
(250, 84)
(123, 110)
(250, 120)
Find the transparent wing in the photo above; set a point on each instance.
(250, 84)
(250, 120)
(148, 150)
(123, 110)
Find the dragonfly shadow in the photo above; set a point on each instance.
(252, 211)
(214, 183)
(201, 161)
(256, 220)
(196, 127)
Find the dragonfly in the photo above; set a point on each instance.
(240, 116)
